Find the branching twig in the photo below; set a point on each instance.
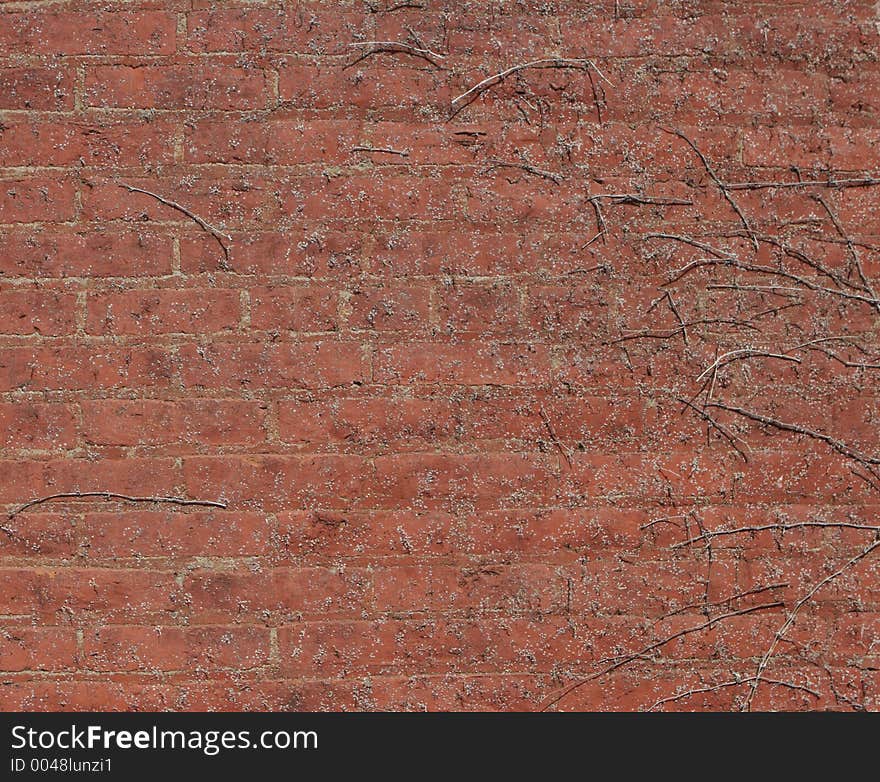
(792, 617)
(727, 600)
(829, 183)
(722, 430)
(635, 198)
(732, 683)
(837, 445)
(850, 245)
(721, 186)
(693, 243)
(769, 270)
(626, 660)
(741, 355)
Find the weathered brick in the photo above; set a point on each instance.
(163, 312)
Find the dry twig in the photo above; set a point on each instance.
(792, 617)
(395, 47)
(627, 659)
(556, 62)
(385, 150)
(837, 445)
(221, 237)
(833, 184)
(529, 169)
(717, 180)
(566, 454)
(732, 683)
(111, 495)
(777, 527)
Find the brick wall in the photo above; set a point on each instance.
(464, 404)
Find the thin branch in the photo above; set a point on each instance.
(386, 150)
(221, 237)
(664, 520)
(850, 245)
(834, 184)
(716, 179)
(709, 623)
(395, 47)
(635, 198)
(741, 355)
(800, 255)
(563, 63)
(837, 445)
(601, 228)
(539, 172)
(693, 243)
(792, 617)
(729, 436)
(397, 7)
(779, 527)
(769, 270)
(111, 495)
(727, 600)
(732, 683)
(598, 235)
(562, 449)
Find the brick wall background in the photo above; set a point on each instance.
(386, 329)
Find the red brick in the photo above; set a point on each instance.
(308, 253)
(37, 425)
(36, 200)
(389, 308)
(392, 423)
(464, 363)
(34, 479)
(294, 308)
(132, 533)
(436, 588)
(38, 534)
(38, 649)
(111, 594)
(398, 90)
(285, 592)
(257, 29)
(217, 198)
(274, 365)
(37, 312)
(199, 423)
(260, 481)
(484, 309)
(66, 33)
(132, 143)
(107, 252)
(175, 648)
(163, 312)
(488, 481)
(72, 368)
(175, 87)
(36, 88)
(376, 648)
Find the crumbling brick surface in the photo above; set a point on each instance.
(410, 388)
